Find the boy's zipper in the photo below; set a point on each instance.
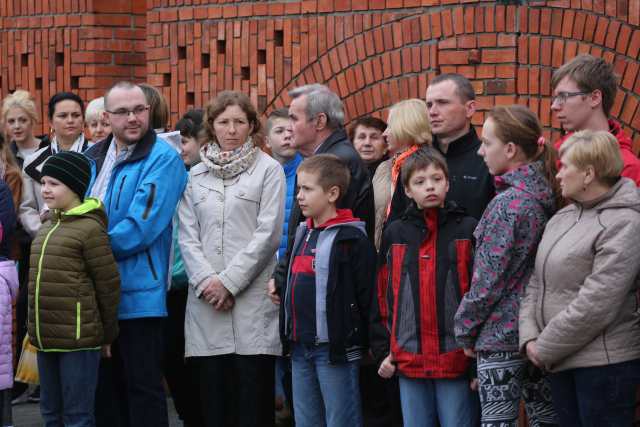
(293, 288)
(38, 277)
(78, 311)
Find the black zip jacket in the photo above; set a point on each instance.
(470, 183)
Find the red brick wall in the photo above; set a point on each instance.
(376, 52)
(372, 52)
(75, 45)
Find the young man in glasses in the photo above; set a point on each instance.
(140, 179)
(584, 90)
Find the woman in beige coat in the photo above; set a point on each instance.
(579, 319)
(230, 225)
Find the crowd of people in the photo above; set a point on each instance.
(407, 272)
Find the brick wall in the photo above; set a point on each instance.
(376, 52)
(372, 52)
(75, 45)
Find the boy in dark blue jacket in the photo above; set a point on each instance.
(324, 316)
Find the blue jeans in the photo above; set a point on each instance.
(451, 402)
(324, 393)
(597, 396)
(68, 387)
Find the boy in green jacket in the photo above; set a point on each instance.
(74, 291)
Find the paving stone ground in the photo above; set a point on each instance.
(28, 415)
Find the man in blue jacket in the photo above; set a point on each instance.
(140, 179)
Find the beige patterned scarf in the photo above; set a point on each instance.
(228, 164)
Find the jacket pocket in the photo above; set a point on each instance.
(120, 191)
(78, 321)
(151, 267)
(150, 200)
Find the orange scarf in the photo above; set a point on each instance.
(398, 161)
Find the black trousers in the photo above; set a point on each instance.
(181, 381)
(130, 388)
(236, 391)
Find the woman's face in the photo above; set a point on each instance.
(394, 145)
(493, 150)
(67, 121)
(369, 144)
(19, 125)
(232, 128)
(570, 178)
(190, 150)
(99, 127)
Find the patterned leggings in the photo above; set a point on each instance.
(503, 379)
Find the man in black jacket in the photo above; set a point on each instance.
(317, 118)
(451, 105)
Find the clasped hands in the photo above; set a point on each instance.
(217, 295)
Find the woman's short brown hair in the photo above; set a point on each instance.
(158, 108)
(225, 99)
(598, 149)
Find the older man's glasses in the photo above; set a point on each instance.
(123, 112)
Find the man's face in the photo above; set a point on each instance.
(128, 114)
(572, 108)
(280, 140)
(303, 128)
(449, 115)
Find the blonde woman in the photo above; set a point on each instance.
(407, 129)
(19, 116)
(579, 319)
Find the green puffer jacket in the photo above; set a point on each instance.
(74, 284)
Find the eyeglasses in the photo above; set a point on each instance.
(562, 97)
(123, 112)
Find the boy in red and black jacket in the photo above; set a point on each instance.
(424, 270)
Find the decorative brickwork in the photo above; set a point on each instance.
(373, 53)
(75, 45)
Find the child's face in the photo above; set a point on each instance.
(314, 201)
(57, 195)
(99, 128)
(279, 139)
(190, 150)
(428, 187)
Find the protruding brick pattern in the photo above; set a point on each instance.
(376, 52)
(372, 52)
(75, 45)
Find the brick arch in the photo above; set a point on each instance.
(508, 50)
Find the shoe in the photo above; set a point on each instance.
(23, 398)
(35, 396)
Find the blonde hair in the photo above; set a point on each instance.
(23, 100)
(598, 149)
(408, 122)
(94, 110)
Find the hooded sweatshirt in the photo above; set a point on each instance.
(581, 304)
(631, 162)
(507, 237)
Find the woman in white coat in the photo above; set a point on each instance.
(231, 218)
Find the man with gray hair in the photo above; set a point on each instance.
(317, 120)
